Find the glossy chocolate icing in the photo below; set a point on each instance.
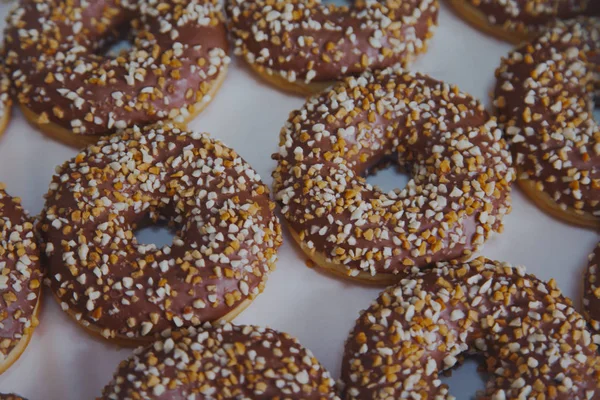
(5, 99)
(544, 99)
(312, 42)
(224, 248)
(461, 173)
(591, 294)
(179, 49)
(20, 274)
(533, 342)
(531, 16)
(225, 362)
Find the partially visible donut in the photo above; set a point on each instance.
(591, 294)
(223, 251)
(64, 86)
(225, 362)
(533, 342)
(520, 20)
(457, 197)
(5, 101)
(20, 280)
(305, 45)
(544, 100)
(10, 397)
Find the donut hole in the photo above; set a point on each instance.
(596, 107)
(388, 176)
(338, 2)
(159, 234)
(467, 380)
(120, 46)
(118, 42)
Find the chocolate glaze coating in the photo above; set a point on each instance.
(461, 174)
(20, 274)
(544, 99)
(591, 294)
(5, 100)
(52, 52)
(313, 42)
(535, 345)
(218, 363)
(224, 247)
(531, 16)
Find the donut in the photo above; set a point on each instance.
(304, 45)
(460, 168)
(517, 21)
(20, 280)
(72, 92)
(5, 101)
(10, 397)
(591, 294)
(224, 362)
(535, 345)
(225, 243)
(544, 99)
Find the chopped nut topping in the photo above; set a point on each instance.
(128, 290)
(313, 42)
(545, 107)
(225, 362)
(529, 17)
(20, 274)
(461, 173)
(591, 294)
(535, 345)
(5, 100)
(52, 56)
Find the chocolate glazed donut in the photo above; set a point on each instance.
(304, 45)
(20, 280)
(222, 363)
(457, 197)
(535, 345)
(520, 20)
(5, 100)
(178, 61)
(223, 250)
(544, 99)
(591, 294)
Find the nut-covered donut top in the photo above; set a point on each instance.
(308, 41)
(5, 100)
(227, 362)
(52, 52)
(535, 345)
(460, 169)
(531, 16)
(224, 247)
(544, 97)
(591, 295)
(20, 274)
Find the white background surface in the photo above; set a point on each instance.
(62, 362)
